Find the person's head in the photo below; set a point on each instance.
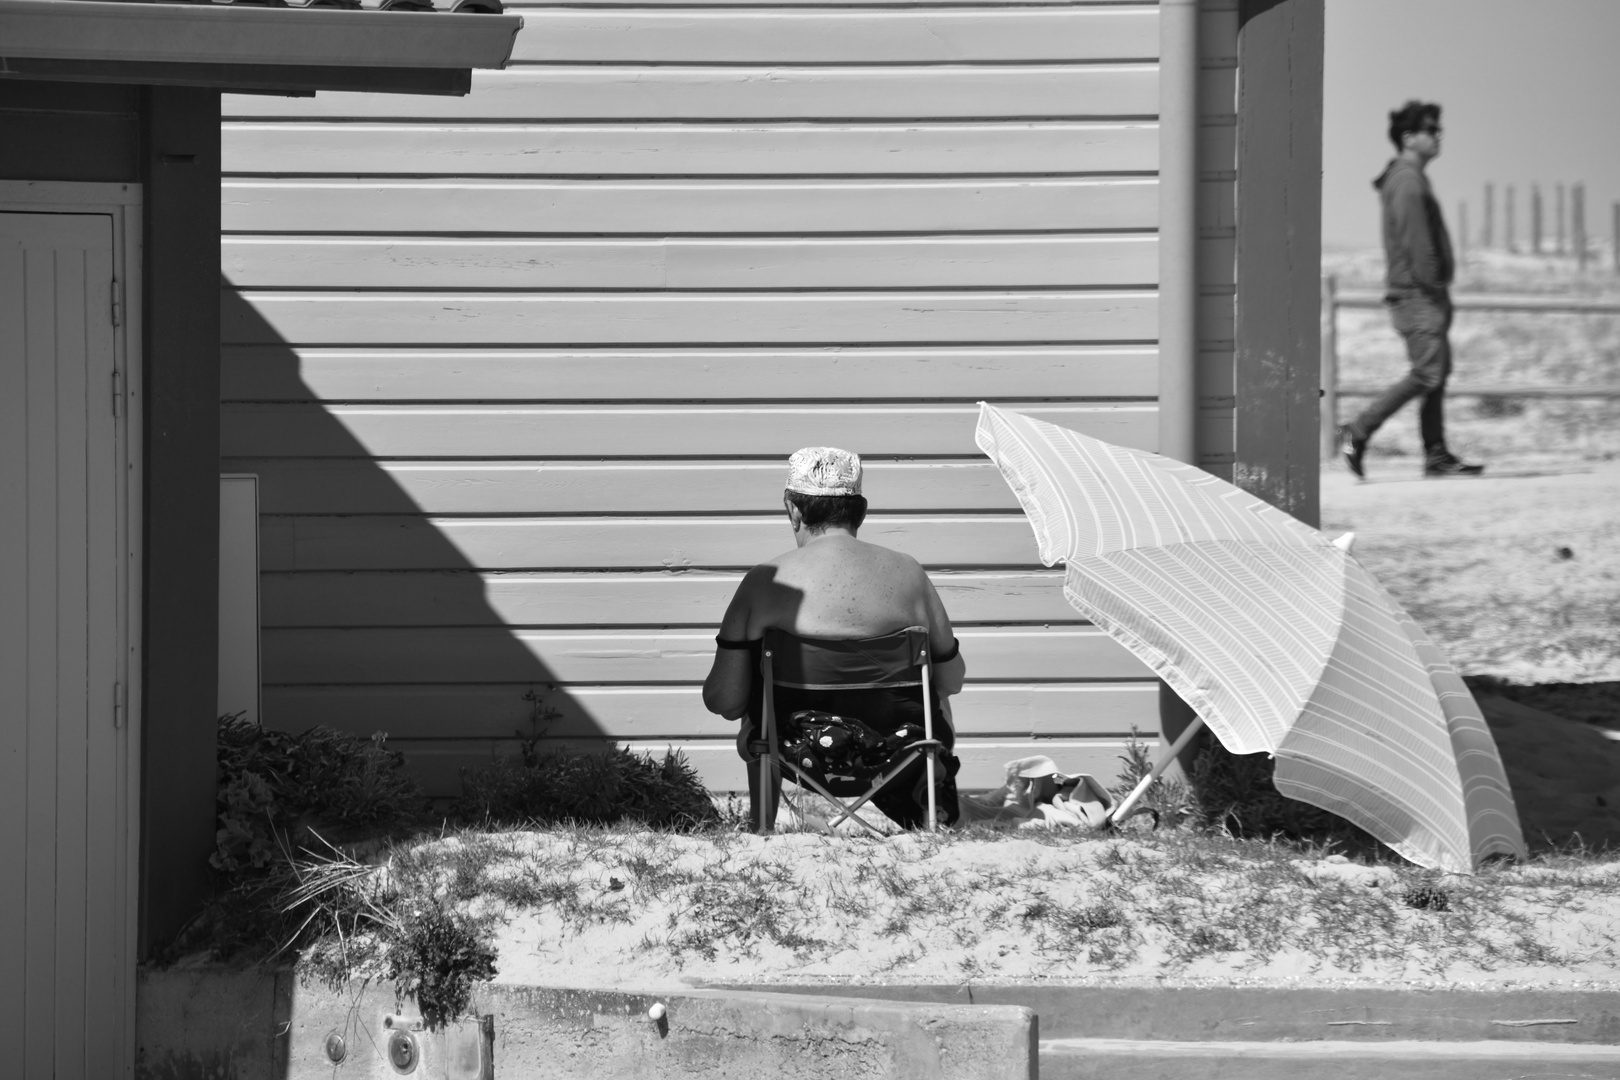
(824, 490)
(1414, 128)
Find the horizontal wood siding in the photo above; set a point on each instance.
(740, 92)
(691, 149)
(609, 599)
(519, 372)
(919, 35)
(1008, 262)
(680, 206)
(639, 430)
(254, 373)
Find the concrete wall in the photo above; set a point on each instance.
(221, 1025)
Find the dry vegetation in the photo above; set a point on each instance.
(628, 907)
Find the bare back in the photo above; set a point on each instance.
(833, 586)
(840, 587)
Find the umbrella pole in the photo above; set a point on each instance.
(1127, 804)
(928, 734)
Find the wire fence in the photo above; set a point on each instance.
(1334, 299)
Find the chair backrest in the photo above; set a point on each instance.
(807, 663)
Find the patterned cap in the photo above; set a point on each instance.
(824, 470)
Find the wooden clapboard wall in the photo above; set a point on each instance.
(519, 372)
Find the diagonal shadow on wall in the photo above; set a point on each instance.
(373, 619)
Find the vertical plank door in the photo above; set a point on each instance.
(64, 960)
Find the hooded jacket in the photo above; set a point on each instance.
(1417, 248)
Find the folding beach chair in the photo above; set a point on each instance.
(833, 740)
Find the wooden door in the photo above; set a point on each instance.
(65, 962)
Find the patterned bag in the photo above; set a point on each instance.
(833, 748)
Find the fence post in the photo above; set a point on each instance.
(1577, 209)
(1559, 224)
(1487, 235)
(1462, 231)
(1615, 249)
(1330, 363)
(1535, 219)
(1512, 224)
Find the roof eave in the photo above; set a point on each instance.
(238, 47)
(290, 79)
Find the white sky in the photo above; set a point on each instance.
(1530, 89)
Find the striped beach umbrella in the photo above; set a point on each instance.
(1279, 640)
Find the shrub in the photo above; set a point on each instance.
(1168, 800)
(437, 957)
(1235, 792)
(280, 795)
(275, 787)
(590, 788)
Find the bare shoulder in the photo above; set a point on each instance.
(903, 573)
(901, 563)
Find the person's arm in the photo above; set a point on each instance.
(1409, 212)
(725, 691)
(950, 671)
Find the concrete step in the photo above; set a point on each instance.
(1393, 1059)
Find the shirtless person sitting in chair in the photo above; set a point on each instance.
(833, 586)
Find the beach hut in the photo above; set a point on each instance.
(109, 466)
(519, 372)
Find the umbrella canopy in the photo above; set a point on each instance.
(1279, 640)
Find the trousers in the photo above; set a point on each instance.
(1425, 324)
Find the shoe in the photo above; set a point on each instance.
(1353, 446)
(1440, 468)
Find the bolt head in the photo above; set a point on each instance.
(336, 1048)
(402, 1052)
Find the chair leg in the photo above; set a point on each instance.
(764, 794)
(877, 785)
(928, 733)
(806, 781)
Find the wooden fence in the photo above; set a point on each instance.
(1333, 300)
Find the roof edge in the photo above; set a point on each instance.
(293, 80)
(99, 30)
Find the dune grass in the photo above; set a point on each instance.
(987, 903)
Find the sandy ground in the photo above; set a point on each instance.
(1080, 909)
(1085, 908)
(1515, 574)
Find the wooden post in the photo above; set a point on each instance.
(1178, 229)
(1330, 367)
(1487, 235)
(1557, 221)
(1558, 224)
(1535, 219)
(180, 178)
(1276, 379)
(1578, 224)
(1511, 224)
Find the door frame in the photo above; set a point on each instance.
(121, 202)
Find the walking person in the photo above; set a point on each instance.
(1418, 271)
